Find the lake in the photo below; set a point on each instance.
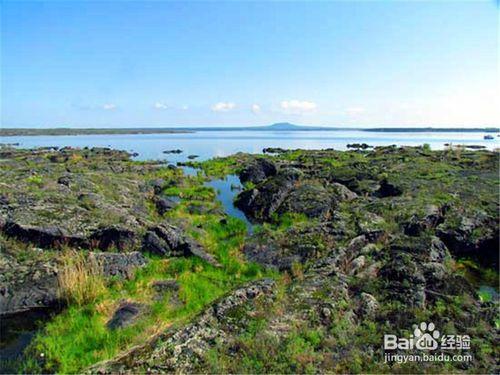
(207, 144)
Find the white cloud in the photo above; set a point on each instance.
(223, 106)
(160, 105)
(185, 107)
(298, 106)
(256, 109)
(109, 106)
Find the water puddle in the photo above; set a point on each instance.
(227, 189)
(16, 333)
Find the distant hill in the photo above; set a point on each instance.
(284, 126)
(281, 126)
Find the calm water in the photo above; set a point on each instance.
(208, 144)
(227, 189)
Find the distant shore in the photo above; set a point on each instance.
(12, 132)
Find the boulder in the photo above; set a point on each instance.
(405, 281)
(126, 314)
(163, 205)
(261, 202)
(342, 192)
(157, 185)
(475, 237)
(270, 254)
(163, 287)
(314, 201)
(388, 189)
(45, 237)
(257, 171)
(432, 217)
(296, 246)
(25, 287)
(120, 265)
(357, 264)
(169, 241)
(368, 305)
(64, 180)
(114, 236)
(425, 248)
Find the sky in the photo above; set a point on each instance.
(131, 64)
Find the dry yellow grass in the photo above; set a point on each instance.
(80, 278)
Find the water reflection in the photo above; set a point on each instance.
(227, 189)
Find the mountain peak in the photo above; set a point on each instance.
(283, 126)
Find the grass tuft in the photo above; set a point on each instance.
(80, 280)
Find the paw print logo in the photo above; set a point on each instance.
(426, 336)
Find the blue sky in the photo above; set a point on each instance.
(122, 64)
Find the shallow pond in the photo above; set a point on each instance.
(227, 189)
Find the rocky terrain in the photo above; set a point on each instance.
(142, 270)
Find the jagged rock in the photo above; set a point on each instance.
(388, 189)
(157, 185)
(476, 237)
(118, 237)
(163, 205)
(312, 200)
(368, 305)
(169, 241)
(119, 264)
(270, 255)
(370, 222)
(265, 199)
(90, 200)
(357, 264)
(284, 193)
(427, 249)
(405, 280)
(64, 180)
(155, 244)
(355, 246)
(297, 246)
(45, 237)
(4, 200)
(126, 314)
(257, 171)
(27, 287)
(432, 217)
(343, 193)
(162, 287)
